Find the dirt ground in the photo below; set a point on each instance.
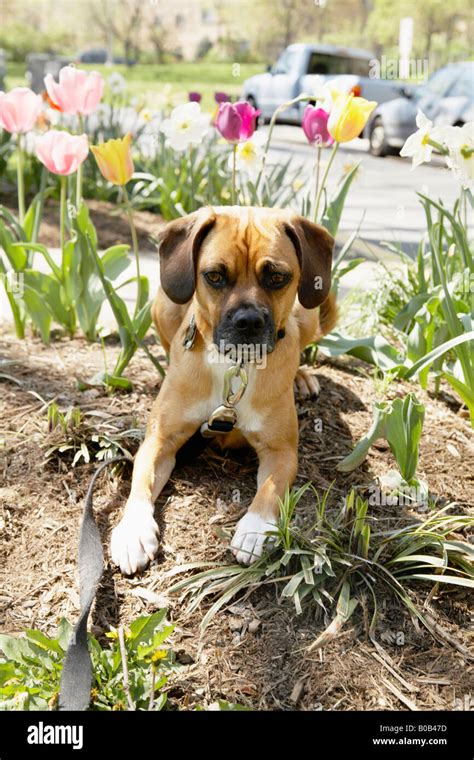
(254, 651)
(110, 222)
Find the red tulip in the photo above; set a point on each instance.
(50, 102)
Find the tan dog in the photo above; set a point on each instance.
(250, 276)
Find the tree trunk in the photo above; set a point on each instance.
(288, 35)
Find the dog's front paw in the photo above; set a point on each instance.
(306, 383)
(250, 537)
(134, 541)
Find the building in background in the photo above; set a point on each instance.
(192, 27)
(157, 31)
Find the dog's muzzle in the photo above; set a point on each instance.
(247, 331)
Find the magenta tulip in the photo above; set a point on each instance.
(77, 93)
(221, 97)
(19, 109)
(194, 97)
(315, 126)
(61, 152)
(236, 122)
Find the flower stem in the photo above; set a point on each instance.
(191, 174)
(39, 208)
(440, 148)
(79, 170)
(21, 183)
(63, 184)
(316, 189)
(325, 176)
(133, 231)
(463, 205)
(234, 156)
(62, 214)
(277, 111)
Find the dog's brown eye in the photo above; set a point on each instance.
(275, 280)
(215, 278)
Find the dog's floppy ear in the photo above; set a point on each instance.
(313, 245)
(178, 246)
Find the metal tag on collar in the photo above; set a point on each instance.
(221, 421)
(190, 335)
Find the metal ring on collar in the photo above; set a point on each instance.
(233, 397)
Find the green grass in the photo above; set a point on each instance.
(146, 81)
(341, 558)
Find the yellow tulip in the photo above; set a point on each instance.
(348, 116)
(114, 159)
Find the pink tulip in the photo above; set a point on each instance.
(78, 92)
(315, 126)
(61, 152)
(236, 122)
(19, 109)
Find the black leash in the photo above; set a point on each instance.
(76, 678)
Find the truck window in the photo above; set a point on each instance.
(330, 65)
(285, 62)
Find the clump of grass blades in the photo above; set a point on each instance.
(339, 558)
(77, 435)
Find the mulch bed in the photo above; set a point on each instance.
(254, 651)
(110, 222)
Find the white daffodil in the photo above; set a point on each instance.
(249, 155)
(186, 126)
(117, 83)
(164, 99)
(320, 90)
(417, 146)
(460, 143)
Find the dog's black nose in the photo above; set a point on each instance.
(249, 319)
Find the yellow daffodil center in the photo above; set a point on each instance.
(247, 152)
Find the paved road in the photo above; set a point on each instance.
(385, 189)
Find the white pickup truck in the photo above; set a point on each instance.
(301, 68)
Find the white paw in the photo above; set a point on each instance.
(250, 537)
(134, 541)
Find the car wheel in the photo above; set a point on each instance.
(378, 139)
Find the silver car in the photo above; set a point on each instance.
(302, 67)
(447, 99)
